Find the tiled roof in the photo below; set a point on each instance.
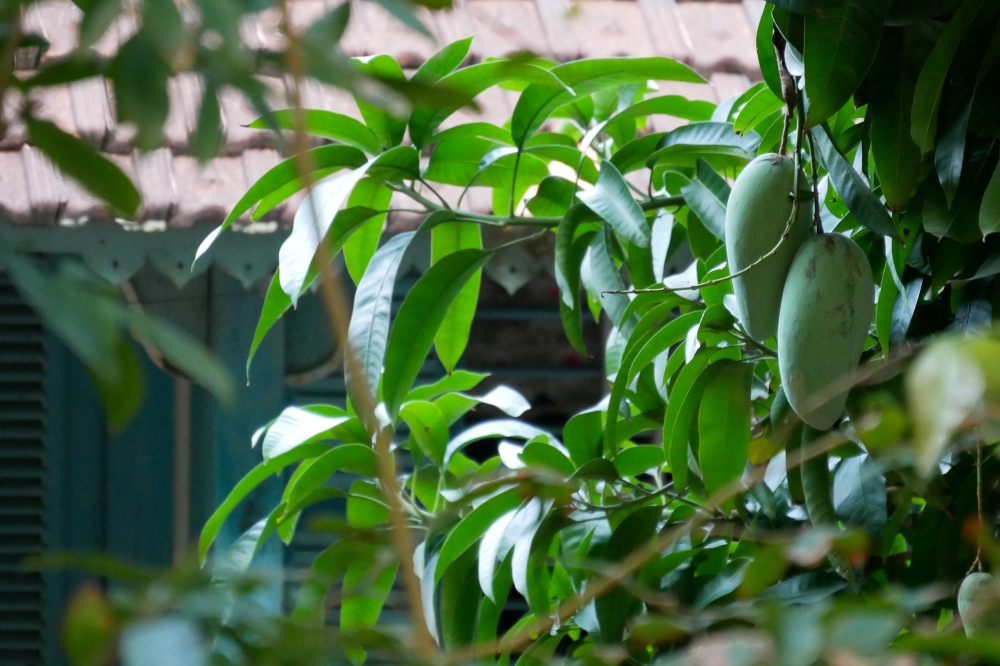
(716, 38)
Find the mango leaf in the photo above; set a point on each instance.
(567, 262)
(636, 460)
(989, 211)
(418, 321)
(840, 44)
(312, 474)
(368, 332)
(471, 81)
(724, 582)
(859, 497)
(253, 478)
(323, 572)
(707, 206)
(582, 436)
(297, 425)
(760, 106)
(489, 549)
(310, 225)
(715, 142)
(360, 246)
(724, 425)
(428, 427)
(684, 397)
(459, 602)
(79, 161)
(860, 200)
(893, 78)
(443, 62)
(280, 175)
(649, 335)
(327, 124)
(930, 83)
(453, 335)
(500, 428)
(616, 607)
(612, 200)
(765, 51)
(459, 380)
(584, 77)
(277, 302)
(367, 583)
(473, 526)
(950, 153)
(386, 128)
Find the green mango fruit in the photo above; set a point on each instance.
(826, 311)
(979, 605)
(756, 216)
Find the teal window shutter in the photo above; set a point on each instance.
(22, 479)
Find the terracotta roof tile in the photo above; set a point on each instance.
(209, 190)
(91, 110)
(13, 139)
(46, 189)
(716, 37)
(385, 34)
(664, 24)
(503, 27)
(609, 28)
(722, 34)
(154, 173)
(14, 204)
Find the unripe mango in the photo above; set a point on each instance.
(979, 605)
(826, 310)
(756, 216)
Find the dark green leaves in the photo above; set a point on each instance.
(707, 195)
(612, 200)
(893, 79)
(369, 327)
(82, 163)
(989, 211)
(615, 608)
(724, 425)
(418, 320)
(927, 94)
(840, 43)
(583, 77)
(329, 125)
(860, 200)
(453, 335)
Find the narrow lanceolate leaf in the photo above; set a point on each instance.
(418, 321)
(860, 200)
(280, 176)
(859, 497)
(724, 425)
(584, 77)
(277, 302)
(612, 200)
(606, 278)
(453, 335)
(79, 161)
(615, 608)
(296, 426)
(428, 427)
(989, 211)
(309, 227)
(254, 478)
(840, 44)
(684, 396)
(766, 56)
(369, 328)
(707, 206)
(443, 62)
(927, 94)
(388, 129)
(892, 80)
(471, 81)
(360, 247)
(568, 270)
(327, 124)
(950, 152)
(473, 526)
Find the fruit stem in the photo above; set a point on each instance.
(815, 185)
(979, 506)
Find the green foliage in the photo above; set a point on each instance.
(692, 512)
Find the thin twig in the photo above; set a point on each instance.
(336, 309)
(815, 184)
